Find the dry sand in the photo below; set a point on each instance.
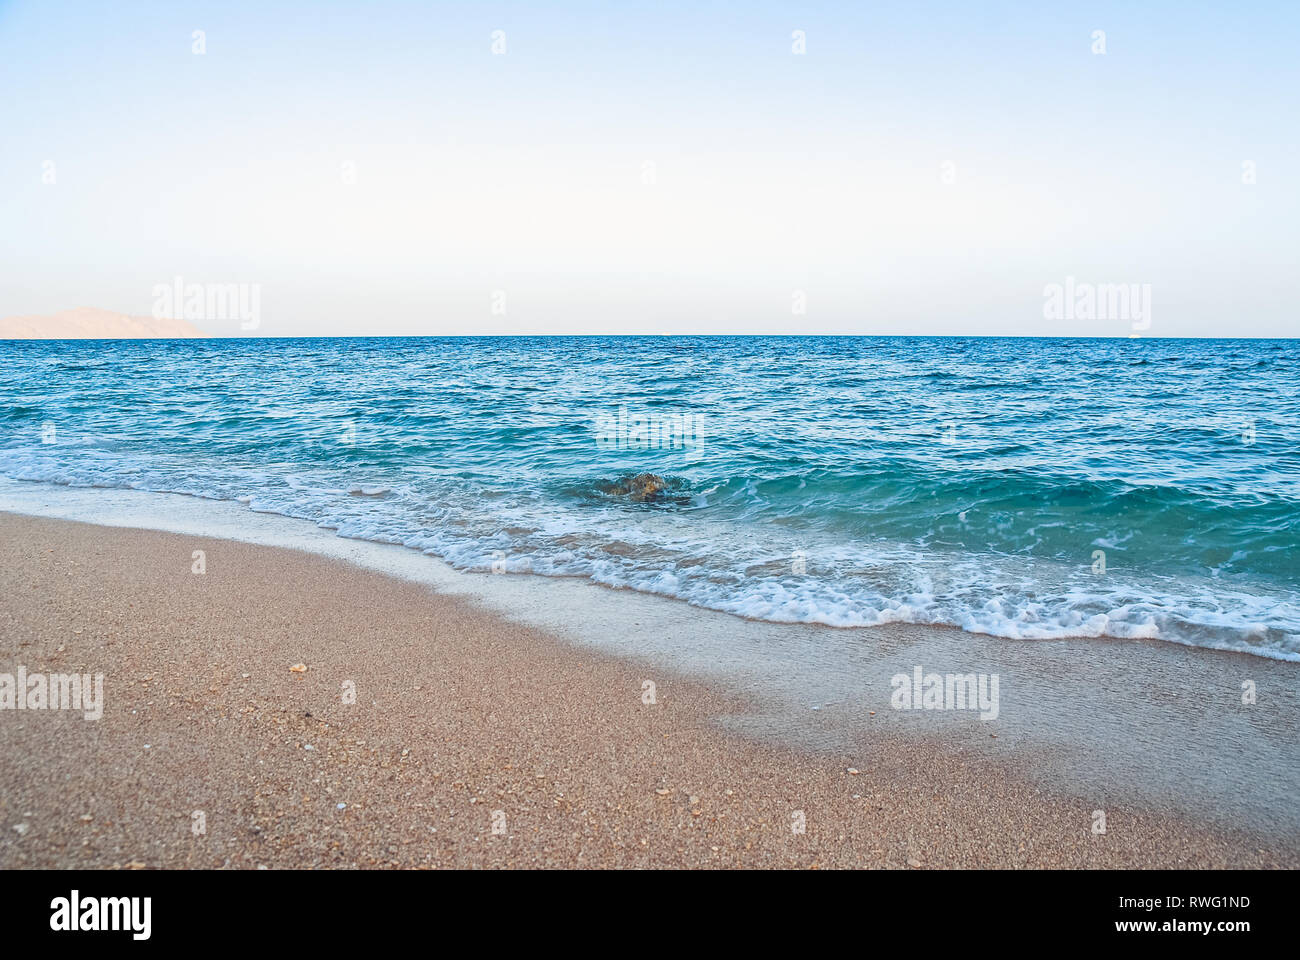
(461, 719)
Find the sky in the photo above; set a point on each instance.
(388, 168)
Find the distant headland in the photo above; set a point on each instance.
(91, 323)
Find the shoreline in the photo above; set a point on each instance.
(496, 712)
(1159, 724)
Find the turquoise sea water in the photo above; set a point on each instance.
(1027, 488)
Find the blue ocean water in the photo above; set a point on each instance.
(1027, 488)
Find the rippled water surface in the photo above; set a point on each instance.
(981, 483)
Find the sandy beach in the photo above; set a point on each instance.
(463, 722)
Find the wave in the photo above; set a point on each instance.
(1014, 488)
(809, 579)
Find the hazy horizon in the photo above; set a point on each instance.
(490, 169)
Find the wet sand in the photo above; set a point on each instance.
(465, 720)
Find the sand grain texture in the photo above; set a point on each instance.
(458, 714)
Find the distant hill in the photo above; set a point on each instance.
(89, 323)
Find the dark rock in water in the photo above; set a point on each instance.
(641, 488)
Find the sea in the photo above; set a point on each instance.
(1033, 489)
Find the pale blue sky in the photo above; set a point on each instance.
(771, 173)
